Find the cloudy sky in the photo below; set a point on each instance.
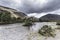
(34, 7)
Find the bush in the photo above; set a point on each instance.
(13, 20)
(5, 17)
(46, 31)
(19, 20)
(44, 20)
(28, 22)
(58, 23)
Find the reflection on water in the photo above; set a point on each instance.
(19, 32)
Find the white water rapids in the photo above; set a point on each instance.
(18, 32)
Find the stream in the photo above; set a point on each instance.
(18, 32)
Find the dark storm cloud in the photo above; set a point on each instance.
(32, 6)
(54, 5)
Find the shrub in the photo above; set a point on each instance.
(58, 23)
(44, 20)
(28, 22)
(19, 20)
(5, 17)
(46, 31)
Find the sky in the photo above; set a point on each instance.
(34, 7)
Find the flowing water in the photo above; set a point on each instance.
(19, 32)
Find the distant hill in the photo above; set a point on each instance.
(50, 17)
(13, 12)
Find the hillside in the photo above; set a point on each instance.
(9, 15)
(50, 17)
(13, 12)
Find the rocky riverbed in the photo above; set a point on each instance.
(19, 32)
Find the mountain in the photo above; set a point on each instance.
(10, 15)
(50, 17)
(14, 13)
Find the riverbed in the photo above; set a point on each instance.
(18, 32)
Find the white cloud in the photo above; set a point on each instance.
(37, 15)
(55, 12)
(16, 2)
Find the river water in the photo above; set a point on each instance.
(18, 32)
